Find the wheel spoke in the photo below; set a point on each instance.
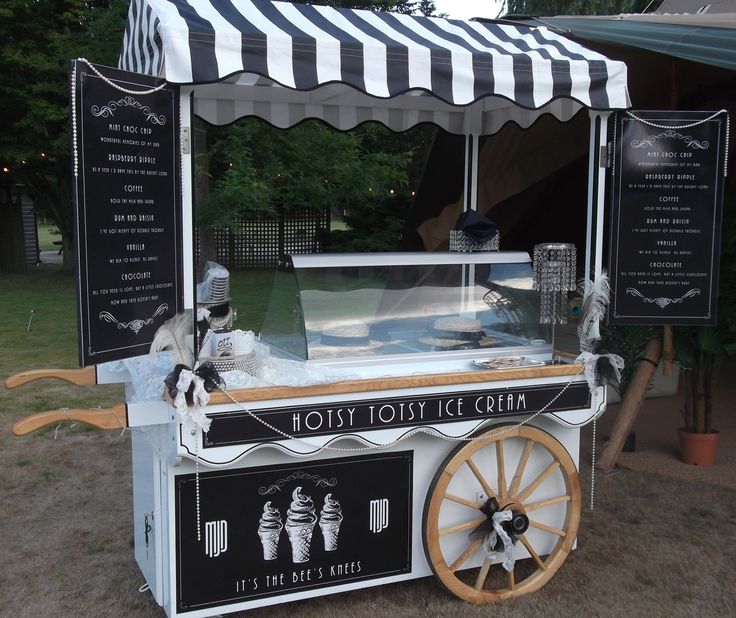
(512, 579)
(546, 528)
(532, 553)
(460, 527)
(535, 506)
(483, 573)
(501, 470)
(516, 481)
(469, 551)
(531, 488)
(481, 479)
(463, 501)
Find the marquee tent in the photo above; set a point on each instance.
(703, 38)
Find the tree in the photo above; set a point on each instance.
(251, 168)
(425, 7)
(37, 40)
(549, 8)
(261, 169)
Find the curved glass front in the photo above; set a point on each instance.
(323, 310)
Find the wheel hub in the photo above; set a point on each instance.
(518, 524)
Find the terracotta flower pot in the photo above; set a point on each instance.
(698, 449)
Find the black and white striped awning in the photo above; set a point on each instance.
(325, 60)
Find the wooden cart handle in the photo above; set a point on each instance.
(80, 377)
(264, 393)
(104, 418)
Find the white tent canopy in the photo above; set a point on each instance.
(284, 62)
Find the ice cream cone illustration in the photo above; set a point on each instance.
(269, 529)
(329, 522)
(300, 522)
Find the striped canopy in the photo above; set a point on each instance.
(296, 61)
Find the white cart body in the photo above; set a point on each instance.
(285, 63)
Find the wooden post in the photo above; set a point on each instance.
(668, 350)
(630, 405)
(12, 249)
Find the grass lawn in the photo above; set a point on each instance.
(336, 223)
(655, 545)
(48, 296)
(47, 236)
(250, 295)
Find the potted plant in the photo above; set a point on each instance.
(702, 351)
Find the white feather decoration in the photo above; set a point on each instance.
(176, 335)
(595, 304)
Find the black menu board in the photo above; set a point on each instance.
(127, 210)
(666, 221)
(291, 528)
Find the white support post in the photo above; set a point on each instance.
(601, 193)
(474, 174)
(470, 203)
(592, 160)
(596, 197)
(187, 191)
(473, 124)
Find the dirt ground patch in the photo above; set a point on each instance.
(654, 545)
(660, 541)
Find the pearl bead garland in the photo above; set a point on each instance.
(75, 149)
(694, 124)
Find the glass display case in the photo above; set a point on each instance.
(326, 307)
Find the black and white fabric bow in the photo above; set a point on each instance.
(189, 391)
(601, 367)
(496, 539)
(491, 542)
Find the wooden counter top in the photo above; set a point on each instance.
(245, 395)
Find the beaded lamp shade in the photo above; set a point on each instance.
(554, 277)
(474, 232)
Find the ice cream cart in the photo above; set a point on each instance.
(417, 423)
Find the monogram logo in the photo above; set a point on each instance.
(224, 345)
(215, 538)
(378, 515)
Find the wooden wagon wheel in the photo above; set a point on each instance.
(526, 471)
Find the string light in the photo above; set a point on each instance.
(6, 170)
